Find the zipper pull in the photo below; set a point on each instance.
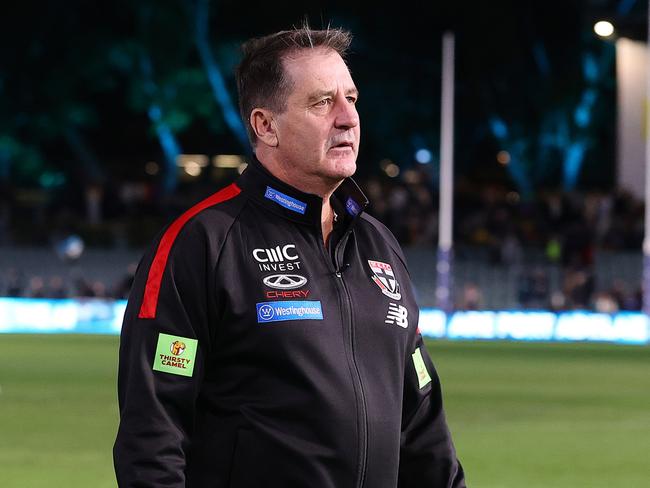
(339, 272)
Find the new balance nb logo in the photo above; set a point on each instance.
(397, 314)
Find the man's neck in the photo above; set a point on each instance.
(327, 220)
(316, 187)
(306, 183)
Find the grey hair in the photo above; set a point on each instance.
(261, 78)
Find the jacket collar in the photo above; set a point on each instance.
(348, 201)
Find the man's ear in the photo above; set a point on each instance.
(264, 126)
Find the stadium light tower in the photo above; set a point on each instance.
(646, 240)
(445, 229)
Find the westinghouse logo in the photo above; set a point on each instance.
(289, 310)
(285, 200)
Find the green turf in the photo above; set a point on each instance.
(522, 415)
(548, 415)
(58, 410)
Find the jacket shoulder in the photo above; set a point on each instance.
(206, 222)
(197, 233)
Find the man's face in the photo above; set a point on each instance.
(318, 133)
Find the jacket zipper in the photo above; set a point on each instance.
(358, 385)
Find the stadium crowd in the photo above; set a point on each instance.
(562, 229)
(14, 283)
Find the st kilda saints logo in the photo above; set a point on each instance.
(384, 278)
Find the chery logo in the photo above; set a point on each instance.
(285, 281)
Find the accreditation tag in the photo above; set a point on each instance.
(421, 369)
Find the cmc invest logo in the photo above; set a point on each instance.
(276, 255)
(278, 258)
(177, 348)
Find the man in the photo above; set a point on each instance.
(271, 338)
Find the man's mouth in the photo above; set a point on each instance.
(342, 145)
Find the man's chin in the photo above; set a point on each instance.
(345, 169)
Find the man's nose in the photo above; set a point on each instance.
(346, 116)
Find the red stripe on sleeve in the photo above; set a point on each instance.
(152, 290)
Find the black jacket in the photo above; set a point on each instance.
(253, 356)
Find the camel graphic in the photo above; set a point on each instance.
(177, 348)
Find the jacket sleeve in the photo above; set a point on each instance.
(164, 343)
(427, 455)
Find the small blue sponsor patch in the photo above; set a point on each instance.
(289, 310)
(352, 207)
(285, 200)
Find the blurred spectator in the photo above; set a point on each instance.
(83, 288)
(578, 288)
(14, 283)
(558, 301)
(511, 252)
(534, 289)
(36, 287)
(56, 288)
(472, 298)
(98, 289)
(624, 299)
(605, 303)
(553, 249)
(124, 286)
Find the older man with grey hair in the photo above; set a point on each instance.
(271, 336)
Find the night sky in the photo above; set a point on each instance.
(78, 80)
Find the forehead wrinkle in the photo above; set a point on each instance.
(322, 84)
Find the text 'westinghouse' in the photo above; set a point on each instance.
(289, 310)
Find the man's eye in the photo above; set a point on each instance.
(352, 99)
(322, 103)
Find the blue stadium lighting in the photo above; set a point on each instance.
(423, 156)
(499, 129)
(573, 161)
(582, 113)
(582, 116)
(590, 67)
(50, 180)
(99, 316)
(168, 142)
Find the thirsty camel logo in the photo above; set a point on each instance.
(175, 354)
(177, 348)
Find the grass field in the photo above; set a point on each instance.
(522, 415)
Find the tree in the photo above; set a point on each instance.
(199, 11)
